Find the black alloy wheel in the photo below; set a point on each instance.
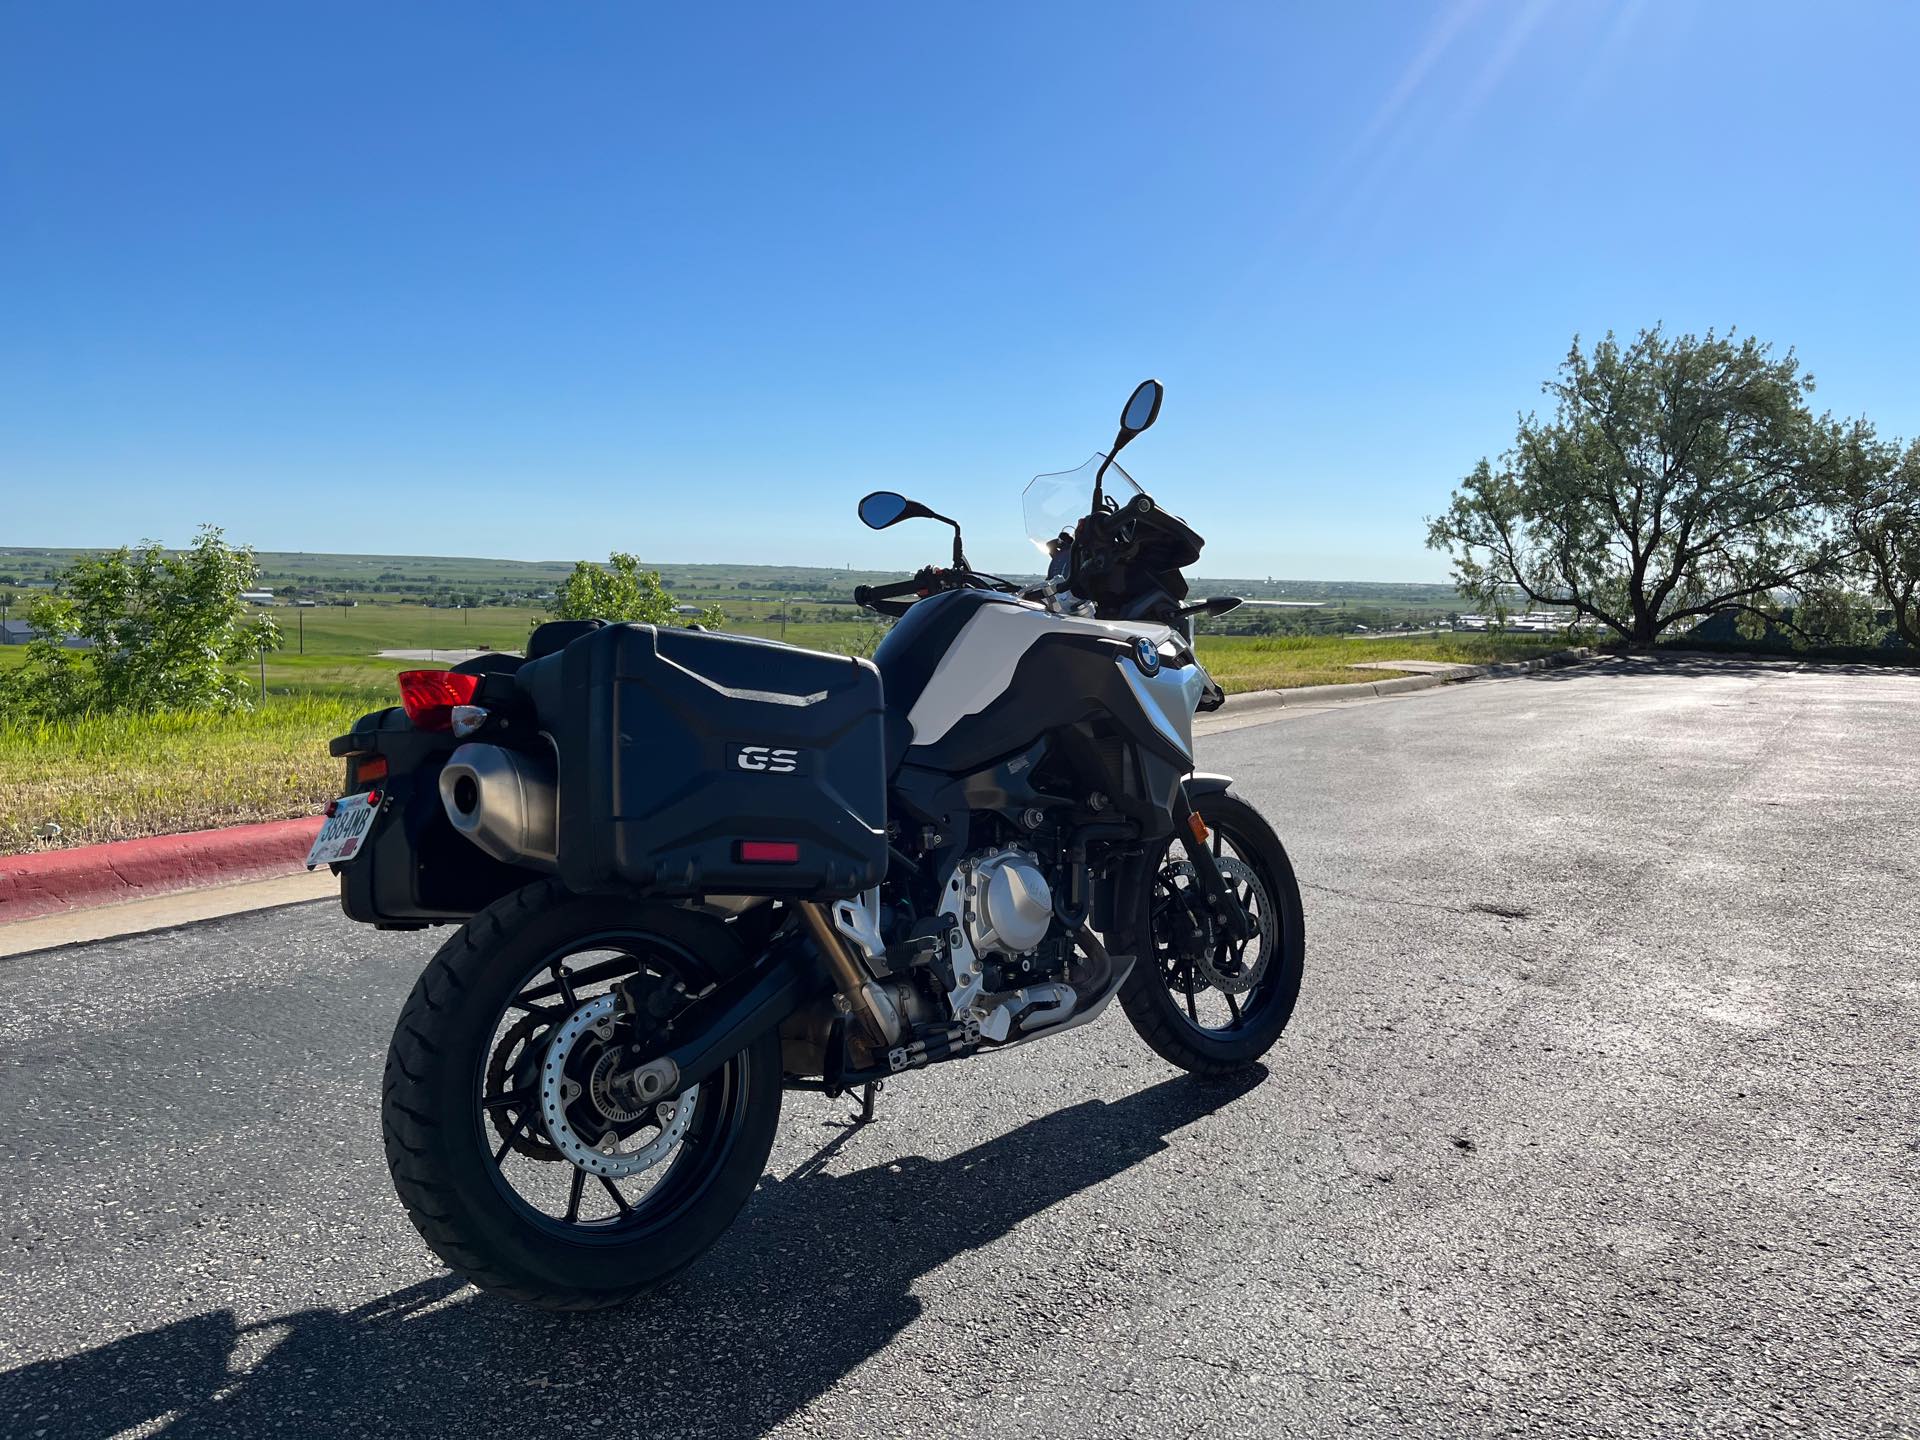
(1202, 998)
(519, 1156)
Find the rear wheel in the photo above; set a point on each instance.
(516, 1159)
(1200, 998)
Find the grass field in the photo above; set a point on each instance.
(114, 777)
(1242, 663)
(117, 776)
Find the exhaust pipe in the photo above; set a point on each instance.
(504, 801)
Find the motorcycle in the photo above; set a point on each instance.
(693, 870)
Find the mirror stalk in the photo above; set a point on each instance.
(1141, 410)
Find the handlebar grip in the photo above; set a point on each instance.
(872, 596)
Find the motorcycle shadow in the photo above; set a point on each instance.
(814, 1279)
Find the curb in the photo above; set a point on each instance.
(58, 880)
(1252, 702)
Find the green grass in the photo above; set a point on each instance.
(114, 777)
(1243, 663)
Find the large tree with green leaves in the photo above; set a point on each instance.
(1678, 477)
(163, 630)
(1882, 517)
(621, 590)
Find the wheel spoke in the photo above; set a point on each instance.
(574, 1193)
(513, 1131)
(1234, 1006)
(621, 964)
(508, 1100)
(1193, 1010)
(618, 1199)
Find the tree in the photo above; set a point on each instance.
(1883, 520)
(621, 590)
(164, 631)
(1678, 478)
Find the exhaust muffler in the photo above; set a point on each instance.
(504, 801)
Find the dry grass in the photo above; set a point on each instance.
(114, 777)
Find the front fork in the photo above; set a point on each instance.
(1206, 868)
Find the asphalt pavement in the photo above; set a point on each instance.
(1599, 1115)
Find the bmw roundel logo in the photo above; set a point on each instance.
(1147, 655)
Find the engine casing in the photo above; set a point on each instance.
(1010, 905)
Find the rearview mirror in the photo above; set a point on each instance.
(1142, 408)
(883, 508)
(1140, 411)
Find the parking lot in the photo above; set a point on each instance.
(1599, 1114)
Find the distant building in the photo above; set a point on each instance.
(257, 597)
(1536, 622)
(20, 632)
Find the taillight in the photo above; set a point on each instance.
(430, 695)
(767, 852)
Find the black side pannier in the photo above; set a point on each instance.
(702, 764)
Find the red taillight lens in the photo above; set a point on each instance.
(767, 852)
(430, 695)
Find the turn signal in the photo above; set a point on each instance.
(430, 695)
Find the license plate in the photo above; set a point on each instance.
(339, 839)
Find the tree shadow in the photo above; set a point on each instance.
(1694, 665)
(815, 1278)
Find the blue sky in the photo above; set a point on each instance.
(543, 281)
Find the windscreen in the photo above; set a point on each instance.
(1055, 502)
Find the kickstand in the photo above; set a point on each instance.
(867, 1092)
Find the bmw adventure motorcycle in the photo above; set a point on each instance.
(694, 870)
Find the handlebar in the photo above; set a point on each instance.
(929, 580)
(866, 594)
(881, 599)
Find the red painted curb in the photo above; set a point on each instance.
(87, 875)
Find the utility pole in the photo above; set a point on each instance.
(263, 673)
(301, 616)
(783, 617)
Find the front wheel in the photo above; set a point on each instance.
(1200, 998)
(517, 1160)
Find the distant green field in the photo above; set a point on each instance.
(486, 582)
